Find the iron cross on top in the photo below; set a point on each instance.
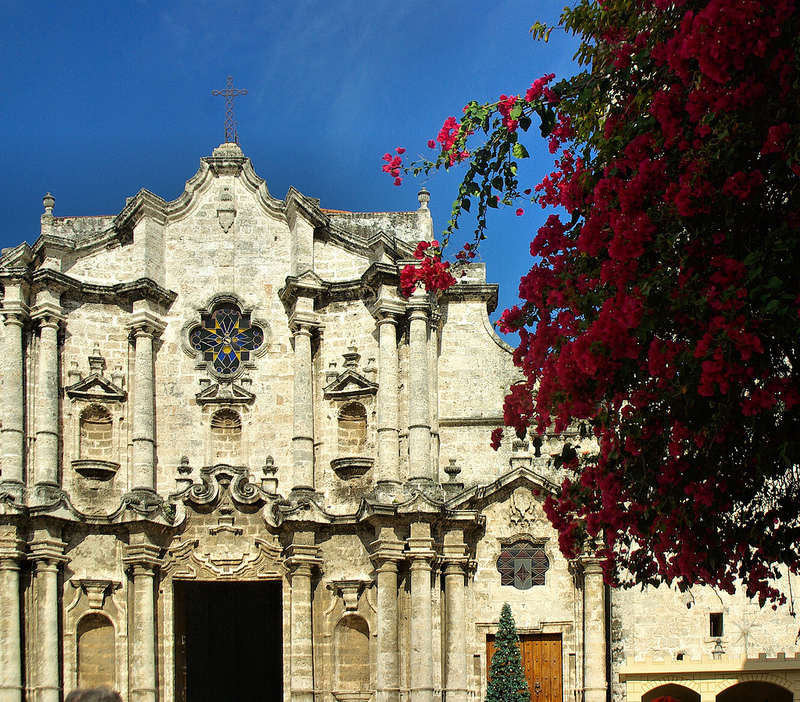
(231, 135)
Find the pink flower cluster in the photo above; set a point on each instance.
(432, 273)
(394, 164)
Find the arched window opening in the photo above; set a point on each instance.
(96, 434)
(351, 641)
(96, 652)
(226, 435)
(671, 691)
(352, 429)
(755, 690)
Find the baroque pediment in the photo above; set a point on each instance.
(224, 553)
(225, 393)
(349, 383)
(96, 387)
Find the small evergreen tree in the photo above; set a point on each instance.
(506, 677)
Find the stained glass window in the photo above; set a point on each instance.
(226, 338)
(523, 565)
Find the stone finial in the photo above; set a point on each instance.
(49, 202)
(452, 470)
(97, 364)
(269, 481)
(184, 468)
(352, 356)
(424, 197)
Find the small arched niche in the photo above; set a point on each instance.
(226, 436)
(352, 429)
(96, 434)
(97, 457)
(351, 649)
(96, 652)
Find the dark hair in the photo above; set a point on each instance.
(95, 694)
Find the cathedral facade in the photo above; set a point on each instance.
(237, 463)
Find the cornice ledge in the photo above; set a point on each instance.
(142, 205)
(469, 292)
(16, 258)
(52, 241)
(295, 203)
(381, 274)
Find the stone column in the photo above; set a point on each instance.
(454, 555)
(387, 552)
(47, 551)
(303, 431)
(145, 327)
(594, 626)
(142, 562)
(301, 561)
(419, 416)
(46, 408)
(388, 434)
(10, 627)
(433, 389)
(13, 398)
(420, 554)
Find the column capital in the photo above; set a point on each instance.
(48, 315)
(591, 565)
(15, 314)
(142, 557)
(145, 323)
(387, 311)
(301, 322)
(454, 554)
(418, 309)
(386, 552)
(12, 548)
(419, 551)
(301, 559)
(47, 550)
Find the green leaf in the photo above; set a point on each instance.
(519, 151)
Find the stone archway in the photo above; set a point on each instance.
(673, 690)
(752, 690)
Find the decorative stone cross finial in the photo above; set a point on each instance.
(231, 135)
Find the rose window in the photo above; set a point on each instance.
(225, 338)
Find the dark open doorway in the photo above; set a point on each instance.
(228, 641)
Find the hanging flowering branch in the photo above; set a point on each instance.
(662, 307)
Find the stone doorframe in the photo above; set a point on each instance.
(238, 559)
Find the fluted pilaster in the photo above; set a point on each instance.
(594, 631)
(144, 328)
(420, 555)
(388, 431)
(387, 553)
(46, 405)
(13, 399)
(143, 563)
(301, 561)
(419, 417)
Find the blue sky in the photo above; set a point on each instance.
(101, 99)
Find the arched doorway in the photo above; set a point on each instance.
(755, 691)
(676, 692)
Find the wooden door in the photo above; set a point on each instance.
(541, 660)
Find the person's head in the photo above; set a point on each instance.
(95, 694)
